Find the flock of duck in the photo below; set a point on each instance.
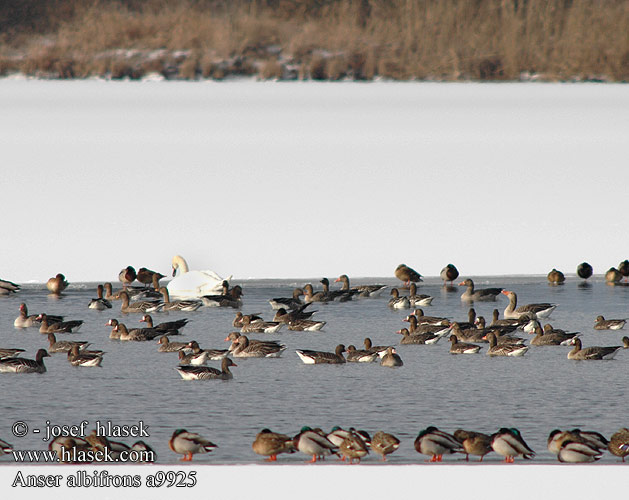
(195, 289)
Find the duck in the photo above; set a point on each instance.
(435, 443)
(141, 306)
(391, 359)
(67, 447)
(457, 347)
(321, 357)
(99, 303)
(178, 305)
(379, 349)
(407, 274)
(619, 443)
(57, 284)
(171, 327)
(207, 372)
(243, 349)
(8, 287)
(229, 298)
(293, 302)
(165, 345)
(474, 443)
(370, 291)
(188, 284)
(144, 453)
(600, 323)
(593, 352)
(7, 352)
(5, 448)
(271, 444)
(449, 273)
(58, 327)
(540, 311)
(64, 345)
(353, 447)
(397, 301)
(23, 365)
(102, 443)
(480, 294)
(623, 268)
(149, 277)
(552, 338)
(555, 277)
(314, 444)
(360, 355)
(584, 270)
(384, 444)
(612, 276)
(259, 326)
(337, 435)
(510, 444)
(557, 438)
(188, 444)
(578, 452)
(77, 358)
(418, 299)
(127, 276)
(496, 349)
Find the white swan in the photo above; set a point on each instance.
(192, 284)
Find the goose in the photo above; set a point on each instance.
(362, 290)
(419, 318)
(109, 294)
(619, 443)
(7, 352)
(58, 327)
(496, 321)
(271, 444)
(284, 316)
(332, 295)
(64, 345)
(311, 296)
(480, 324)
(293, 302)
(234, 336)
(496, 349)
(600, 323)
(136, 334)
(419, 339)
(552, 338)
(138, 307)
(305, 325)
(555, 277)
(188, 444)
(172, 327)
(99, 303)
(462, 347)
(213, 354)
(178, 305)
(24, 320)
(77, 358)
(449, 273)
(8, 287)
(320, 357)
(244, 349)
(360, 355)
(480, 294)
(435, 443)
(474, 443)
(418, 299)
(510, 444)
(127, 276)
(192, 284)
(252, 317)
(314, 444)
(584, 270)
(380, 349)
(593, 352)
(540, 311)
(384, 444)
(230, 298)
(397, 301)
(149, 277)
(57, 284)
(196, 357)
(207, 372)
(258, 326)
(23, 365)
(165, 345)
(391, 359)
(407, 274)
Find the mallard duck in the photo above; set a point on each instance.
(99, 303)
(244, 349)
(322, 357)
(578, 452)
(270, 444)
(144, 453)
(207, 372)
(189, 443)
(77, 358)
(384, 444)
(474, 443)
(64, 345)
(353, 447)
(584, 270)
(57, 284)
(360, 355)
(435, 443)
(449, 273)
(612, 276)
(58, 327)
(67, 447)
(608, 324)
(407, 274)
(594, 352)
(391, 359)
(397, 301)
(361, 290)
(457, 347)
(623, 268)
(148, 277)
(593, 440)
(5, 448)
(165, 345)
(337, 435)
(23, 365)
(555, 277)
(511, 349)
(480, 294)
(619, 443)
(314, 444)
(293, 302)
(540, 310)
(127, 276)
(510, 444)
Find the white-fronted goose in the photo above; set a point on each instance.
(64, 345)
(136, 334)
(481, 294)
(259, 326)
(58, 327)
(552, 338)
(252, 317)
(608, 324)
(418, 299)
(555, 277)
(435, 443)
(188, 444)
(231, 299)
(57, 284)
(305, 325)
(293, 302)
(24, 320)
(207, 372)
(457, 347)
(212, 354)
(418, 339)
(109, 294)
(141, 306)
(171, 327)
(8, 287)
(496, 349)
(321, 357)
(361, 290)
(23, 365)
(311, 296)
(380, 349)
(271, 444)
(422, 319)
(593, 352)
(505, 322)
(9, 352)
(416, 329)
(540, 310)
(332, 295)
(510, 444)
(407, 274)
(449, 273)
(360, 355)
(501, 330)
(165, 345)
(77, 358)
(244, 349)
(234, 336)
(178, 305)
(391, 359)
(284, 316)
(99, 303)
(397, 301)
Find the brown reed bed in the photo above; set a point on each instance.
(318, 39)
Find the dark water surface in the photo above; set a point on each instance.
(536, 393)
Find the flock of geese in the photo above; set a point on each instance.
(466, 337)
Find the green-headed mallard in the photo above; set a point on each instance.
(189, 443)
(510, 444)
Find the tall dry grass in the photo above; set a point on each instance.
(319, 39)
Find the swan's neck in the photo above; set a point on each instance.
(180, 263)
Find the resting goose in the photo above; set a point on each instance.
(480, 294)
(207, 372)
(593, 352)
(391, 359)
(362, 290)
(23, 365)
(541, 310)
(321, 357)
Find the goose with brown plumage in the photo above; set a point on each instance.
(600, 323)
(362, 290)
(481, 294)
(540, 310)
(593, 352)
(310, 357)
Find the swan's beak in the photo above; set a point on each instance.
(174, 271)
